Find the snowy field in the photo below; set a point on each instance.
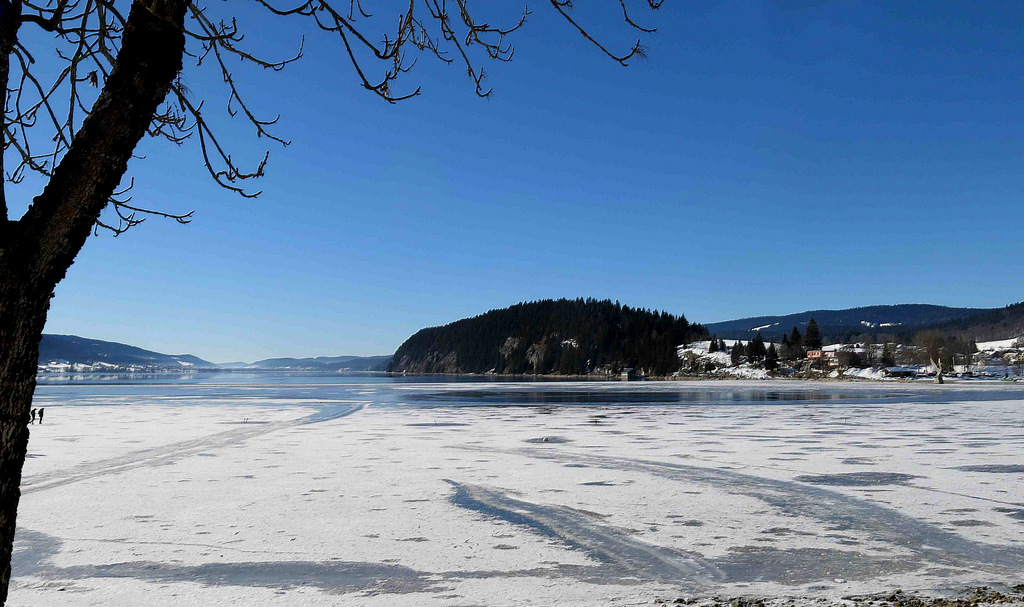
(374, 492)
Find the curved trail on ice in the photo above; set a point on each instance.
(577, 529)
(166, 454)
(929, 543)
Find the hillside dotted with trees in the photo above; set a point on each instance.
(562, 337)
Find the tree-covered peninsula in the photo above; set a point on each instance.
(561, 337)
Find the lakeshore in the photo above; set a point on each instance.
(416, 491)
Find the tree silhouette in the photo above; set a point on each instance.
(771, 358)
(888, 359)
(119, 76)
(812, 338)
(755, 348)
(737, 353)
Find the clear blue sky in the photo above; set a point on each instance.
(768, 157)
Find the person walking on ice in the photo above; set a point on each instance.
(33, 420)
(40, 415)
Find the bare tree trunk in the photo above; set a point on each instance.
(22, 316)
(37, 250)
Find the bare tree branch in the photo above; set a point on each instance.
(42, 119)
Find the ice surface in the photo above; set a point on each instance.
(475, 493)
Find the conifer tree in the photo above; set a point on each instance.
(721, 345)
(795, 338)
(812, 339)
(888, 360)
(787, 350)
(771, 358)
(736, 355)
(755, 349)
(713, 346)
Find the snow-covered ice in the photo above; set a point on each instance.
(377, 492)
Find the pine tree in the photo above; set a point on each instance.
(795, 337)
(737, 353)
(713, 346)
(721, 345)
(771, 358)
(888, 360)
(755, 349)
(787, 350)
(812, 339)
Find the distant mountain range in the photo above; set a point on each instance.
(58, 350)
(325, 363)
(526, 337)
(837, 325)
(80, 350)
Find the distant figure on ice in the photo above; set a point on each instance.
(40, 415)
(33, 420)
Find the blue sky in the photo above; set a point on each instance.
(766, 158)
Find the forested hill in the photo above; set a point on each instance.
(74, 349)
(565, 337)
(839, 325)
(1000, 323)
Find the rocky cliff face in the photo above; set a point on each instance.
(433, 362)
(513, 357)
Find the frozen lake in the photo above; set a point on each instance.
(313, 490)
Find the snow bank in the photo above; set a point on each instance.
(1002, 344)
(702, 347)
(744, 372)
(875, 374)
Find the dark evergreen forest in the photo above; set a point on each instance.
(1001, 323)
(564, 337)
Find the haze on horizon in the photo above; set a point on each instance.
(794, 156)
